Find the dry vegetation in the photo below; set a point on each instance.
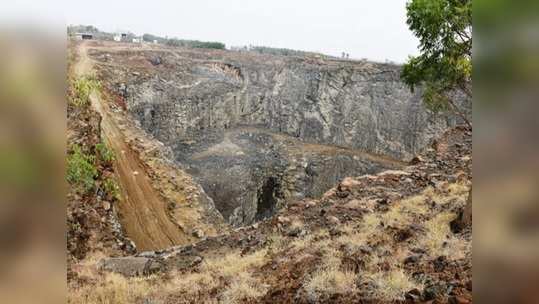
(330, 278)
(234, 277)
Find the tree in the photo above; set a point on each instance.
(444, 67)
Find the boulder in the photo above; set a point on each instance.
(156, 60)
(131, 266)
(416, 160)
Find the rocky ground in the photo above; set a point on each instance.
(382, 238)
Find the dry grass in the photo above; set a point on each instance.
(243, 287)
(192, 283)
(329, 278)
(233, 263)
(392, 285)
(357, 235)
(329, 281)
(353, 238)
(439, 240)
(87, 268)
(276, 242)
(114, 289)
(236, 269)
(451, 192)
(331, 258)
(302, 243)
(315, 241)
(403, 212)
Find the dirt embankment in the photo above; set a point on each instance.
(150, 214)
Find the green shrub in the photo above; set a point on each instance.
(82, 88)
(81, 170)
(111, 188)
(105, 154)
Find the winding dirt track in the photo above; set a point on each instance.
(142, 209)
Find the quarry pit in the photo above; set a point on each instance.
(256, 131)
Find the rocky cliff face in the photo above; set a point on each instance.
(352, 104)
(191, 100)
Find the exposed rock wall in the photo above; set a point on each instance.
(352, 104)
(192, 99)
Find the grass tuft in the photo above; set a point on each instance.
(392, 285)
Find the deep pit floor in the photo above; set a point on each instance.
(250, 172)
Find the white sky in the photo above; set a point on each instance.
(373, 29)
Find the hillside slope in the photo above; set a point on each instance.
(372, 239)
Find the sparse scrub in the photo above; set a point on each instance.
(330, 278)
(105, 154)
(111, 188)
(276, 242)
(353, 239)
(237, 268)
(439, 240)
(81, 169)
(82, 88)
(403, 212)
(329, 281)
(392, 285)
(243, 287)
(456, 192)
(192, 283)
(233, 263)
(115, 289)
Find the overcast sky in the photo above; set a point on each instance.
(374, 29)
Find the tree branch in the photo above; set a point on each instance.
(457, 111)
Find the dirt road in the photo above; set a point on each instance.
(142, 209)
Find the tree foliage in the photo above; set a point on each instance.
(444, 29)
(151, 38)
(195, 44)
